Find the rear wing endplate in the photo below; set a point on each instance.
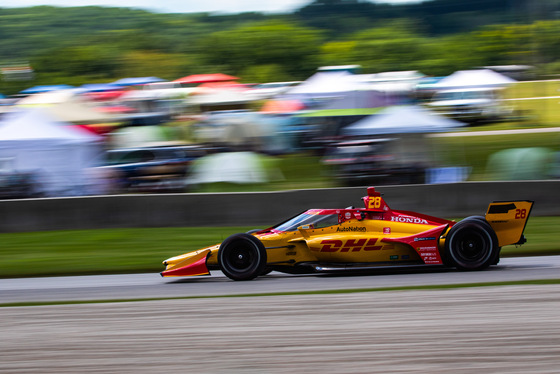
(508, 219)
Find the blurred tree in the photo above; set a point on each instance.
(338, 53)
(342, 17)
(73, 44)
(395, 46)
(90, 60)
(163, 65)
(546, 41)
(448, 54)
(264, 73)
(291, 47)
(130, 39)
(503, 44)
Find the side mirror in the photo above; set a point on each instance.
(303, 230)
(359, 216)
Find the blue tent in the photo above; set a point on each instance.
(137, 81)
(46, 88)
(99, 87)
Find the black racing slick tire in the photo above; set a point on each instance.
(496, 258)
(242, 257)
(471, 244)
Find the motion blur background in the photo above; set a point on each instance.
(105, 100)
(191, 96)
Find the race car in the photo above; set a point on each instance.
(353, 239)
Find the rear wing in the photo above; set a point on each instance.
(508, 219)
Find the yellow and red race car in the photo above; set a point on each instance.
(376, 236)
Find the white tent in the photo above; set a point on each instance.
(402, 120)
(67, 105)
(394, 81)
(78, 112)
(50, 97)
(220, 97)
(140, 136)
(58, 155)
(474, 78)
(328, 83)
(231, 167)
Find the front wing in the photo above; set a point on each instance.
(189, 264)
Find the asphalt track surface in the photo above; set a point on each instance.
(143, 286)
(495, 329)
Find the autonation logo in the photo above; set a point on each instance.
(351, 229)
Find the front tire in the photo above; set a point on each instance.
(242, 257)
(471, 244)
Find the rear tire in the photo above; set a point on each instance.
(496, 258)
(242, 257)
(471, 244)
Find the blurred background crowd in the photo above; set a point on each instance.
(116, 100)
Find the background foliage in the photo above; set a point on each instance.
(79, 45)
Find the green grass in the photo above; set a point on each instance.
(474, 151)
(142, 250)
(287, 172)
(101, 251)
(542, 236)
(533, 89)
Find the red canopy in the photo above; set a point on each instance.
(224, 86)
(100, 129)
(205, 78)
(106, 95)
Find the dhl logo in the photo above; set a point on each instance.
(350, 245)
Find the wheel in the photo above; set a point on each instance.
(496, 257)
(242, 257)
(471, 245)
